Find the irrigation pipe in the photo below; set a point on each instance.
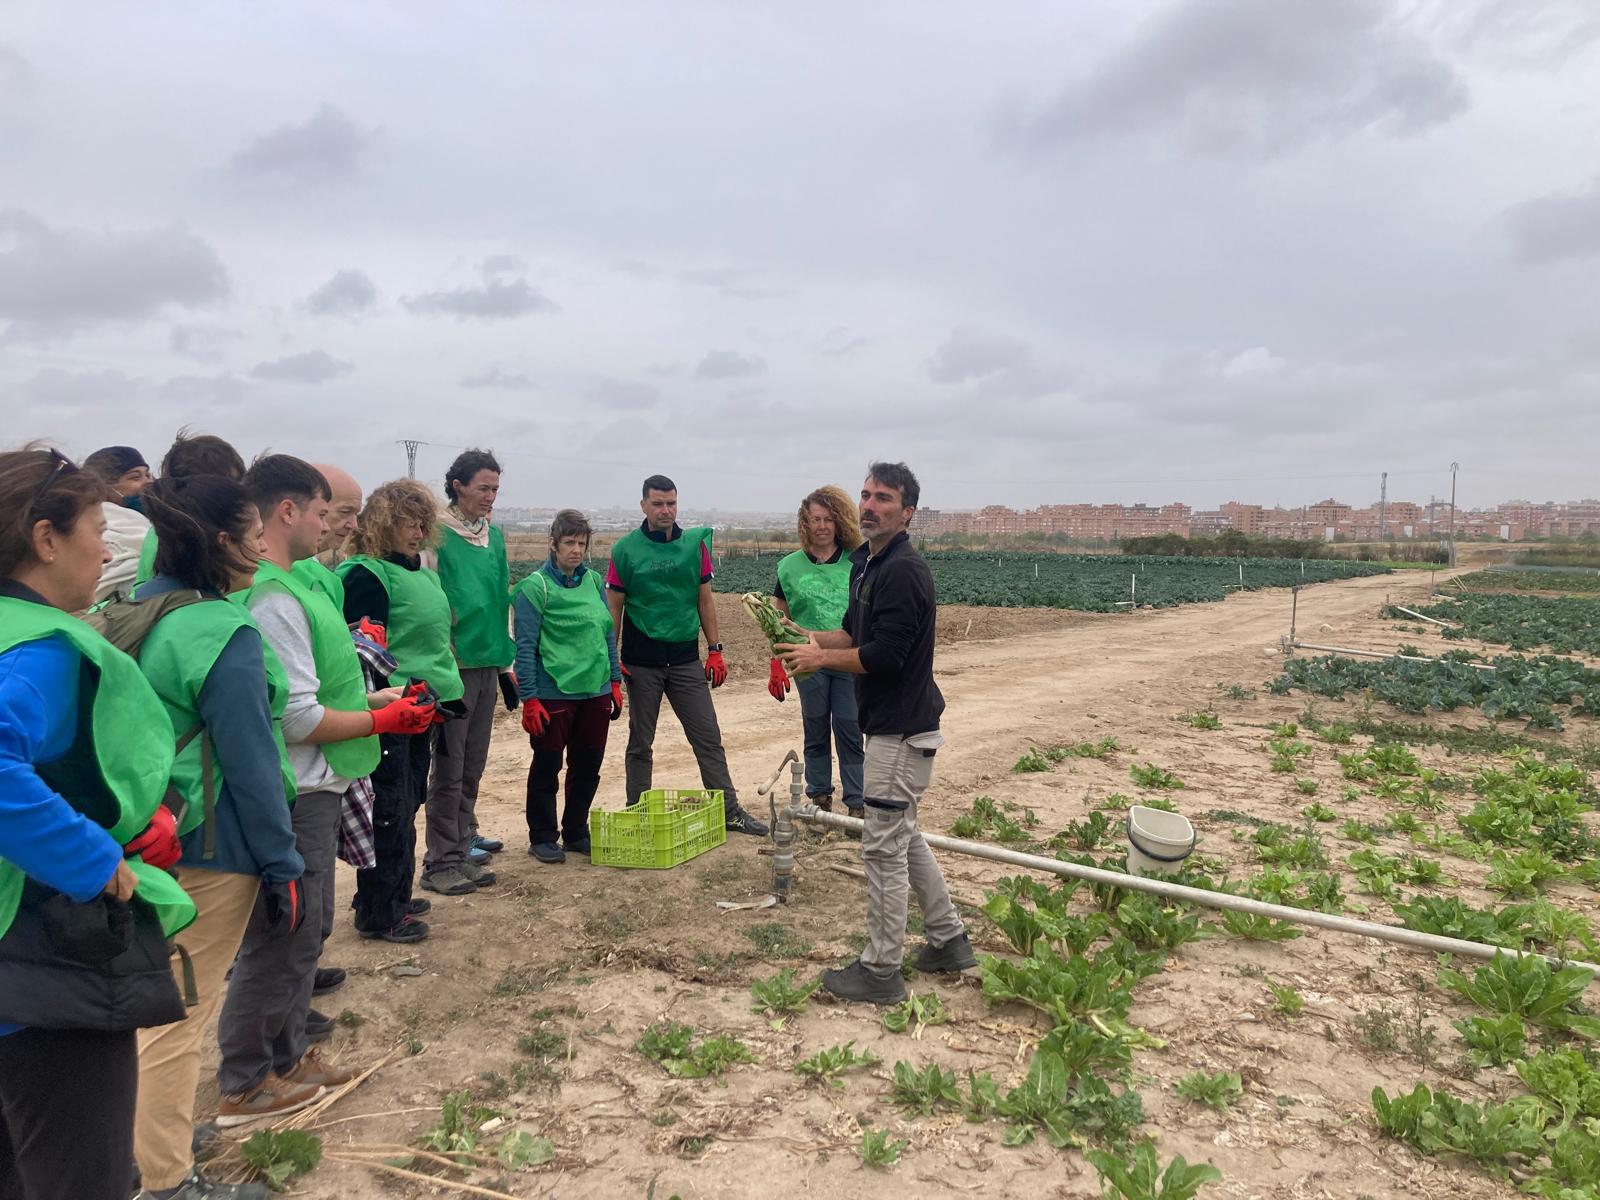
(1416, 940)
(1384, 654)
(1420, 617)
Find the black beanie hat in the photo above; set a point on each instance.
(115, 461)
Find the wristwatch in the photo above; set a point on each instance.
(713, 647)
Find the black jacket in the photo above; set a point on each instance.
(890, 621)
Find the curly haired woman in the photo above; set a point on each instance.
(813, 590)
(386, 583)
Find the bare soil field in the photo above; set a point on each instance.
(532, 994)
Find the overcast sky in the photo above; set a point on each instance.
(1097, 251)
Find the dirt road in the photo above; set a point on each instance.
(534, 993)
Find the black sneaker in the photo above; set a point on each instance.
(577, 845)
(409, 930)
(548, 852)
(327, 979)
(319, 1027)
(739, 821)
(856, 982)
(198, 1187)
(418, 906)
(954, 955)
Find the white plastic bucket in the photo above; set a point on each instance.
(1158, 841)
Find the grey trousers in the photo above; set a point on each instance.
(686, 689)
(897, 859)
(460, 753)
(263, 1023)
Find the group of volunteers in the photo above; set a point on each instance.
(218, 680)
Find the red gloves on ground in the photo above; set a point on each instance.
(373, 632)
(716, 669)
(158, 844)
(535, 717)
(285, 907)
(616, 700)
(406, 715)
(778, 684)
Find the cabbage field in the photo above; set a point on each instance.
(1566, 624)
(1085, 582)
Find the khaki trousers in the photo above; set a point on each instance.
(169, 1057)
(896, 773)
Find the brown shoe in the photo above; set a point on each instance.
(314, 1071)
(273, 1098)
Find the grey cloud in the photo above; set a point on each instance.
(494, 377)
(495, 300)
(623, 394)
(327, 148)
(314, 366)
(69, 389)
(1556, 227)
(839, 341)
(202, 343)
(16, 72)
(729, 364)
(1256, 77)
(1522, 33)
(347, 294)
(193, 391)
(969, 354)
(56, 281)
(502, 264)
(727, 281)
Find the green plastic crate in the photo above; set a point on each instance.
(667, 827)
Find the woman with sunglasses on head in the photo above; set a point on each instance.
(86, 905)
(224, 692)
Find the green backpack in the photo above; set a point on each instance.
(126, 623)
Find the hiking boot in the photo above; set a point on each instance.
(479, 858)
(319, 1027)
(954, 955)
(548, 852)
(327, 979)
(487, 845)
(314, 1071)
(448, 881)
(197, 1187)
(736, 820)
(478, 876)
(273, 1097)
(824, 801)
(576, 845)
(409, 930)
(418, 906)
(856, 982)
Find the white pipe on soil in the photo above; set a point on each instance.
(1384, 654)
(1191, 895)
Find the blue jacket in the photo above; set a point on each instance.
(39, 831)
(533, 681)
(252, 834)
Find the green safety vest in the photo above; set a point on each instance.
(340, 684)
(146, 570)
(572, 632)
(124, 721)
(177, 655)
(419, 624)
(817, 593)
(313, 574)
(477, 580)
(662, 583)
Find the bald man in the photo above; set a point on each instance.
(342, 512)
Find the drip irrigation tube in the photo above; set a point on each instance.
(1385, 654)
(1412, 938)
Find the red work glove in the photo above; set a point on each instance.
(716, 669)
(535, 717)
(406, 715)
(373, 632)
(616, 700)
(286, 908)
(158, 844)
(778, 684)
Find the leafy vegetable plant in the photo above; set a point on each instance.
(1139, 1176)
